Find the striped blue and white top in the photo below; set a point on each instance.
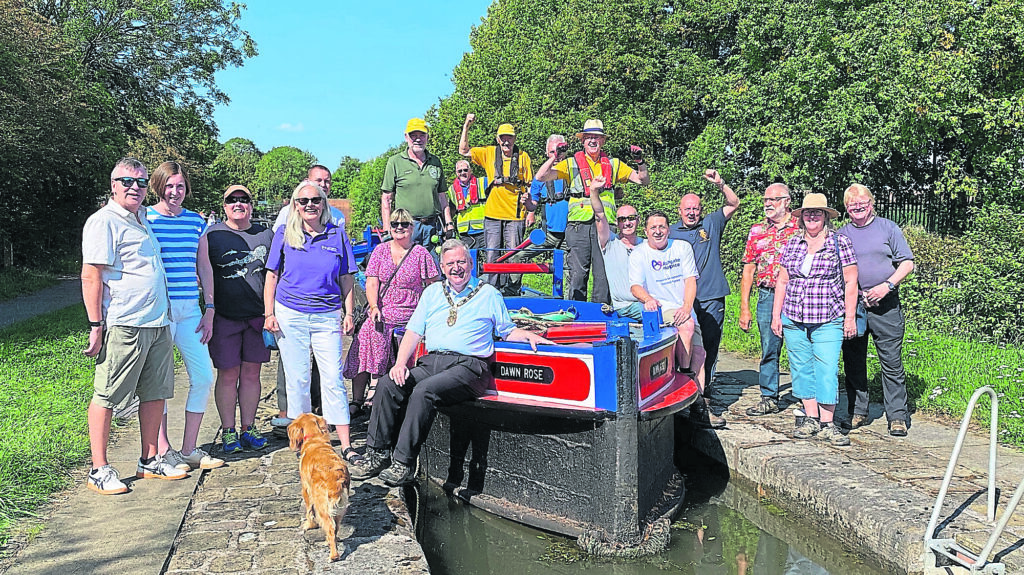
(179, 241)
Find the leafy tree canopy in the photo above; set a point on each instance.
(236, 164)
(341, 179)
(279, 171)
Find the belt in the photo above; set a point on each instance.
(427, 219)
(766, 288)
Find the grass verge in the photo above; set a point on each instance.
(20, 281)
(942, 372)
(46, 384)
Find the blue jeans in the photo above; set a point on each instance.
(814, 358)
(771, 345)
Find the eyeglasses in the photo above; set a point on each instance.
(858, 205)
(775, 200)
(462, 171)
(627, 218)
(813, 212)
(401, 225)
(127, 182)
(315, 201)
(237, 200)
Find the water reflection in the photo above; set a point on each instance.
(723, 530)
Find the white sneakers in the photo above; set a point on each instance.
(159, 468)
(198, 459)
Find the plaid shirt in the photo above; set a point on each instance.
(819, 296)
(764, 245)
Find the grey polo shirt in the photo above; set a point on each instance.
(134, 280)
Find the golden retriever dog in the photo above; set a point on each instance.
(324, 475)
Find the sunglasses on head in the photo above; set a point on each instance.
(127, 182)
(315, 201)
(237, 200)
(401, 225)
(632, 218)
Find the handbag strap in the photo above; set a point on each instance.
(384, 288)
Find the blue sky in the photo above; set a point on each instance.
(341, 78)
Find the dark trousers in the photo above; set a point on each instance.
(552, 241)
(711, 317)
(886, 324)
(402, 415)
(584, 253)
(424, 232)
(314, 387)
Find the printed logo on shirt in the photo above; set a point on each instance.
(658, 265)
(434, 172)
(331, 249)
(704, 235)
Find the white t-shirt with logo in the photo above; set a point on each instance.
(663, 273)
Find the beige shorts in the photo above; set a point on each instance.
(668, 316)
(134, 361)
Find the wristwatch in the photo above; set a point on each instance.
(892, 286)
(100, 323)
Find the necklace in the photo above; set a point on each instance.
(453, 306)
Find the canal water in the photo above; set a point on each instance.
(723, 529)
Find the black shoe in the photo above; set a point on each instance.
(702, 416)
(374, 461)
(766, 406)
(398, 474)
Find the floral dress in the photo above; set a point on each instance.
(371, 350)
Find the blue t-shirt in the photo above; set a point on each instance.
(706, 239)
(478, 320)
(555, 214)
(178, 237)
(310, 281)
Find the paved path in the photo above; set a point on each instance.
(243, 517)
(67, 292)
(876, 495)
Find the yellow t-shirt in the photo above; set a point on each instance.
(503, 201)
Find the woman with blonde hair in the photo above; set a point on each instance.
(308, 303)
(814, 309)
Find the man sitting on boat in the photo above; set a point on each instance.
(663, 274)
(616, 250)
(458, 318)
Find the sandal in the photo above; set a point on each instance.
(370, 390)
(352, 456)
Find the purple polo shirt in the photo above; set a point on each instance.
(310, 278)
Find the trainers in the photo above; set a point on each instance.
(252, 439)
(174, 457)
(398, 474)
(833, 435)
(766, 406)
(159, 469)
(104, 480)
(808, 429)
(374, 461)
(280, 421)
(230, 438)
(199, 459)
(898, 428)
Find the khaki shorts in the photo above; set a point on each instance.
(668, 316)
(134, 361)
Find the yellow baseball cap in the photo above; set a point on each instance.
(416, 125)
(506, 130)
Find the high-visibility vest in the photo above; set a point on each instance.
(579, 197)
(470, 213)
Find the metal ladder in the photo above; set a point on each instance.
(955, 558)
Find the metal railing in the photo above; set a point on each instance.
(959, 559)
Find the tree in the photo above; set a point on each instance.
(342, 177)
(364, 192)
(279, 171)
(57, 143)
(236, 164)
(153, 53)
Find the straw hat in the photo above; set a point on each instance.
(815, 202)
(592, 127)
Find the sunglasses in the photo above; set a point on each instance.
(401, 225)
(627, 218)
(237, 200)
(315, 201)
(127, 182)
(464, 171)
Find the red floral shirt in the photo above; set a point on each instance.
(764, 244)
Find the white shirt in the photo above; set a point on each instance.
(477, 322)
(337, 217)
(616, 265)
(663, 273)
(134, 280)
